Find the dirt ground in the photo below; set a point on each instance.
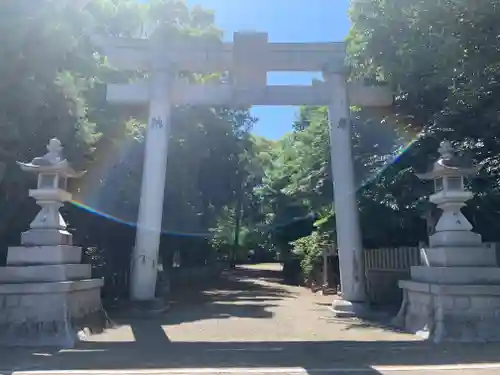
(248, 319)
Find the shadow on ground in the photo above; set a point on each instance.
(235, 294)
(228, 297)
(156, 352)
(381, 317)
(234, 285)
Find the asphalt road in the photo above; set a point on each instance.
(485, 369)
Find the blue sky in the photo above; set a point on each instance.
(284, 21)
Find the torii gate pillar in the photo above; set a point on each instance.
(144, 267)
(349, 242)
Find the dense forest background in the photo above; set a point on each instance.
(228, 191)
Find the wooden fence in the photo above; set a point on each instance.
(383, 268)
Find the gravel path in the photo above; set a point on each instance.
(252, 304)
(248, 319)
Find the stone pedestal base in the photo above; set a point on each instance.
(46, 237)
(346, 309)
(47, 297)
(55, 314)
(458, 313)
(43, 255)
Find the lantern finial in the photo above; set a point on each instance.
(446, 149)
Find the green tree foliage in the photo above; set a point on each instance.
(310, 251)
(48, 70)
(441, 58)
(53, 84)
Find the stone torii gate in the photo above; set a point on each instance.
(248, 60)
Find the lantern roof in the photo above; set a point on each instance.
(450, 164)
(51, 162)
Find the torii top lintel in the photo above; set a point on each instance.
(248, 50)
(248, 59)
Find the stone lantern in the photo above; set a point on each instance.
(455, 294)
(48, 297)
(448, 175)
(49, 227)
